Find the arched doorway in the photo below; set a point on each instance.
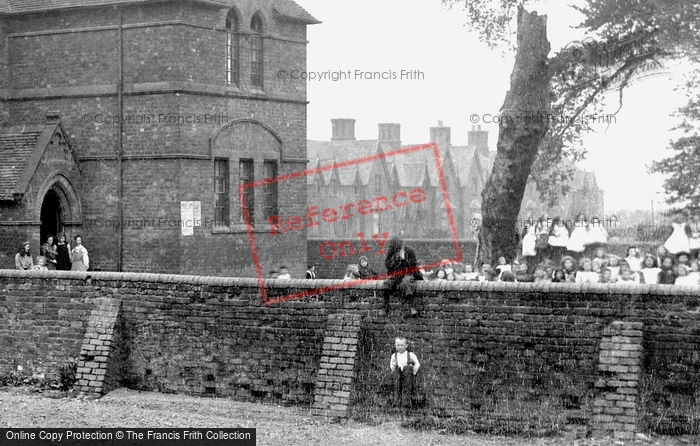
(51, 215)
(58, 207)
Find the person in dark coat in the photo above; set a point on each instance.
(402, 271)
(365, 270)
(63, 261)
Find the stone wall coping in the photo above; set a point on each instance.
(470, 286)
(472, 241)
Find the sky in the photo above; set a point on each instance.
(450, 76)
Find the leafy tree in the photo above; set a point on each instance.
(625, 35)
(683, 167)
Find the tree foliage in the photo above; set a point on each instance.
(622, 37)
(683, 168)
(670, 30)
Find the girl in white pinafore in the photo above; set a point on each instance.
(529, 239)
(579, 237)
(679, 240)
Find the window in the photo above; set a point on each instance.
(256, 52)
(232, 49)
(251, 153)
(270, 171)
(333, 186)
(221, 192)
(246, 175)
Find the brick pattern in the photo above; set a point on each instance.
(615, 408)
(482, 346)
(173, 67)
(334, 383)
(98, 366)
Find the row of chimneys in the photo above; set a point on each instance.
(344, 130)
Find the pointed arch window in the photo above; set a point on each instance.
(256, 52)
(232, 49)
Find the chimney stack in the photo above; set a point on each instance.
(343, 129)
(391, 134)
(441, 135)
(480, 139)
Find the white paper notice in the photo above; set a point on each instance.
(187, 217)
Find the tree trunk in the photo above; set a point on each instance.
(525, 108)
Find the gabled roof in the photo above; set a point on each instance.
(411, 174)
(426, 158)
(324, 153)
(347, 175)
(21, 151)
(463, 160)
(16, 147)
(291, 10)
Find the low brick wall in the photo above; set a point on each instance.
(493, 350)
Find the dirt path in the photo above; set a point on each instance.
(275, 425)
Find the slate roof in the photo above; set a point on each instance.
(426, 158)
(410, 174)
(290, 9)
(16, 147)
(463, 160)
(323, 153)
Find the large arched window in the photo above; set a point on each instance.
(256, 51)
(245, 152)
(232, 49)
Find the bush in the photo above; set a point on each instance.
(66, 376)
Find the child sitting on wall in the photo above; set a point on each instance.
(404, 365)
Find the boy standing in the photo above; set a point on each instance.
(404, 366)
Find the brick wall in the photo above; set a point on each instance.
(174, 59)
(487, 350)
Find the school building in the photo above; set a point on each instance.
(465, 170)
(133, 122)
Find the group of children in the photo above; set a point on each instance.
(659, 268)
(551, 251)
